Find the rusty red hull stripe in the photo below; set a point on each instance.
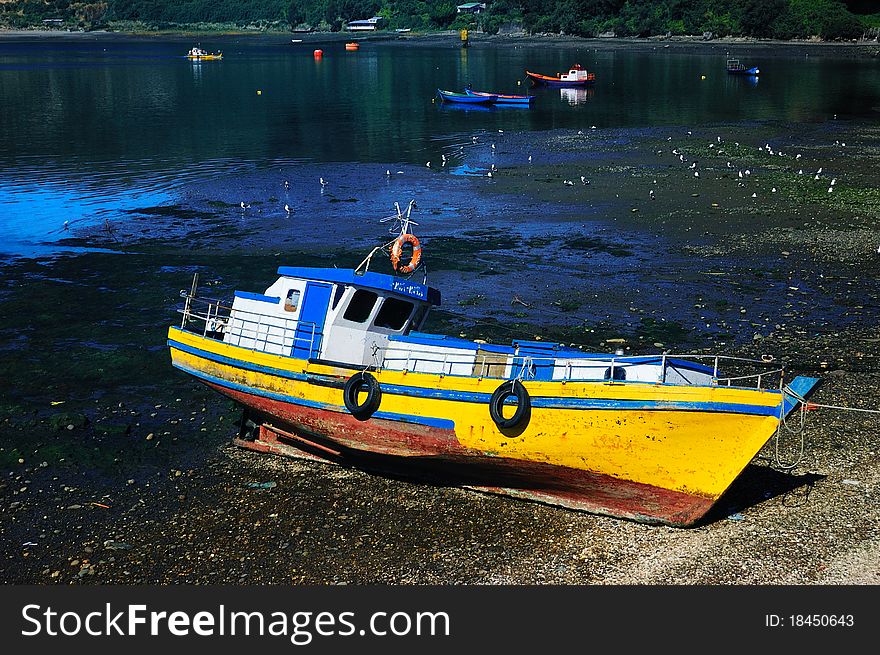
(433, 452)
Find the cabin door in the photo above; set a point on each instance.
(310, 327)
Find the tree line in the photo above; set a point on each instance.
(779, 19)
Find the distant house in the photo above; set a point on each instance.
(471, 8)
(367, 25)
(53, 22)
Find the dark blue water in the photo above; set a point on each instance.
(94, 126)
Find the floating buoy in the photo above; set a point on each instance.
(259, 92)
(319, 54)
(702, 77)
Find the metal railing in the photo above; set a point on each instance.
(263, 332)
(273, 333)
(756, 374)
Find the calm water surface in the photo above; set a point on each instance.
(91, 128)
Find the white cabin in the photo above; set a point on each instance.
(371, 319)
(330, 314)
(577, 74)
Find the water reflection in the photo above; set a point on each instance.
(575, 96)
(456, 106)
(89, 127)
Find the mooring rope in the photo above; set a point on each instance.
(800, 429)
(812, 405)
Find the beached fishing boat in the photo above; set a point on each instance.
(197, 54)
(464, 98)
(333, 364)
(576, 76)
(734, 67)
(503, 99)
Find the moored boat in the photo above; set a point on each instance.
(352, 45)
(333, 364)
(197, 54)
(734, 67)
(464, 98)
(576, 76)
(503, 99)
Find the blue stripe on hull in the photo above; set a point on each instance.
(484, 398)
(403, 418)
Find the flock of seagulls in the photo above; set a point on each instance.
(741, 174)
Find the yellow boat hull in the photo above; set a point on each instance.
(651, 452)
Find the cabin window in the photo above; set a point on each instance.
(360, 306)
(291, 302)
(619, 373)
(337, 296)
(393, 314)
(419, 317)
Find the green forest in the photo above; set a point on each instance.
(777, 19)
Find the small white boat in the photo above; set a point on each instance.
(197, 54)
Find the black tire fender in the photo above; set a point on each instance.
(522, 414)
(358, 382)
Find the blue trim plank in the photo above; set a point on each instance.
(247, 295)
(368, 280)
(542, 402)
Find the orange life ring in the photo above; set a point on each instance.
(397, 251)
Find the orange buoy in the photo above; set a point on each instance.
(319, 54)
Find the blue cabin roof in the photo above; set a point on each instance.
(378, 281)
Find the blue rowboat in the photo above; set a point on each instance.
(503, 99)
(452, 96)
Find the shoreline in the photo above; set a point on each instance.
(451, 35)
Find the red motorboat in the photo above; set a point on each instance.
(576, 76)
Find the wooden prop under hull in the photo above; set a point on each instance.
(552, 484)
